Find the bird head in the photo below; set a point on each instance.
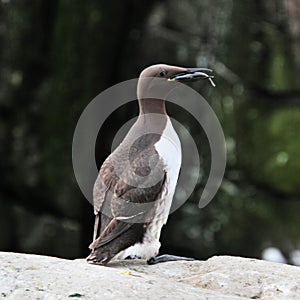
(157, 81)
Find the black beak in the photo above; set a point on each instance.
(192, 74)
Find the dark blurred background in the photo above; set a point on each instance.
(56, 56)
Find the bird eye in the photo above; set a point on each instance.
(163, 73)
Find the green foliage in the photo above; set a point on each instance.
(274, 144)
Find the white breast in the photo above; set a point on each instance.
(169, 149)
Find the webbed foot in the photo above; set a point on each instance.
(165, 258)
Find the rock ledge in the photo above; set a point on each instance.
(26, 276)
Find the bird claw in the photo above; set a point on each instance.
(93, 259)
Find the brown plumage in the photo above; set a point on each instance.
(136, 183)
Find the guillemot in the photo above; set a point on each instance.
(135, 186)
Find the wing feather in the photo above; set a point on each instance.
(132, 188)
(122, 204)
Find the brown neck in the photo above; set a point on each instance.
(152, 106)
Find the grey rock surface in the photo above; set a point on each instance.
(26, 276)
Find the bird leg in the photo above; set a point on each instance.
(166, 257)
